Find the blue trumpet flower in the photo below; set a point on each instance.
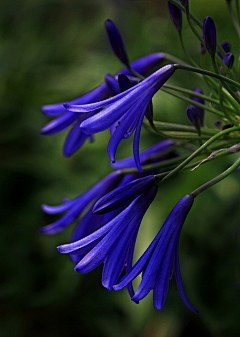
(127, 109)
(113, 243)
(157, 262)
(76, 206)
(64, 119)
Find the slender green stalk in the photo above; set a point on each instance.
(233, 18)
(228, 116)
(211, 74)
(195, 94)
(200, 105)
(200, 149)
(191, 61)
(216, 179)
(181, 127)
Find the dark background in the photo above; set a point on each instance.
(56, 50)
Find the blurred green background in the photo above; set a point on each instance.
(56, 50)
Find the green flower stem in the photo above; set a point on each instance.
(233, 18)
(237, 10)
(197, 22)
(191, 61)
(223, 83)
(177, 135)
(216, 179)
(173, 59)
(193, 28)
(211, 74)
(228, 116)
(200, 149)
(195, 94)
(168, 163)
(189, 100)
(180, 127)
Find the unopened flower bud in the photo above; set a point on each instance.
(226, 47)
(176, 16)
(116, 42)
(228, 59)
(194, 116)
(227, 126)
(218, 124)
(123, 82)
(209, 35)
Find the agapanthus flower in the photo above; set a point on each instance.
(113, 243)
(127, 109)
(76, 206)
(64, 119)
(84, 203)
(210, 35)
(157, 262)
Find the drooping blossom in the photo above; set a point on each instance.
(113, 243)
(84, 203)
(65, 119)
(158, 261)
(127, 109)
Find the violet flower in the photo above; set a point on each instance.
(157, 262)
(113, 243)
(64, 119)
(209, 35)
(76, 206)
(127, 109)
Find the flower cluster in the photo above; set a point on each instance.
(110, 213)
